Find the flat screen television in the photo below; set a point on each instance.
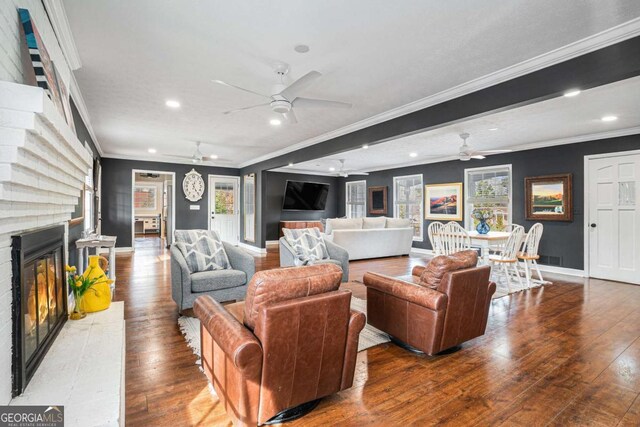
(305, 196)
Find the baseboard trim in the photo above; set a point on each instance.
(251, 248)
(421, 251)
(271, 243)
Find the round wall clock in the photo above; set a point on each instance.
(193, 186)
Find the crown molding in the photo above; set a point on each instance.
(170, 160)
(58, 17)
(603, 39)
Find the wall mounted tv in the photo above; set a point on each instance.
(305, 196)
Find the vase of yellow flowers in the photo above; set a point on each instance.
(79, 285)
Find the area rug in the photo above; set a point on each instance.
(369, 337)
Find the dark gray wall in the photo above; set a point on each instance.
(274, 194)
(609, 64)
(116, 195)
(75, 231)
(561, 239)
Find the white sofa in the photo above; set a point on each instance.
(374, 237)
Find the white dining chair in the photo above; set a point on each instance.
(508, 258)
(529, 254)
(497, 248)
(432, 231)
(453, 238)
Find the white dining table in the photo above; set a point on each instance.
(486, 241)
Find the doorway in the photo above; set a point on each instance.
(612, 220)
(152, 213)
(224, 207)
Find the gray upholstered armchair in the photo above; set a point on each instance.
(222, 285)
(337, 255)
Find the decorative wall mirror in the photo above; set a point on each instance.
(249, 208)
(377, 200)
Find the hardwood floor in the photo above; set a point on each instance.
(565, 354)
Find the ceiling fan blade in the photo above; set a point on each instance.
(290, 117)
(319, 103)
(177, 157)
(246, 108)
(220, 82)
(489, 152)
(302, 83)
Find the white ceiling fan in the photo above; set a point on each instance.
(344, 173)
(466, 153)
(196, 158)
(283, 99)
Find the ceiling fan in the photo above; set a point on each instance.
(196, 158)
(344, 173)
(283, 99)
(466, 153)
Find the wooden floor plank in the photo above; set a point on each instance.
(564, 354)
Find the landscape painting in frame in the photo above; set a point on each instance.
(444, 201)
(549, 198)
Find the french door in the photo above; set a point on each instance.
(613, 220)
(224, 210)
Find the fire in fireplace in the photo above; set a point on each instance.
(39, 299)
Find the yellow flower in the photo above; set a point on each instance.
(70, 269)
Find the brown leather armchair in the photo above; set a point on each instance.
(292, 341)
(439, 307)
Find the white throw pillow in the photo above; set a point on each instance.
(307, 243)
(374, 222)
(343, 224)
(398, 223)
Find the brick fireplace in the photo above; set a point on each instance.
(42, 171)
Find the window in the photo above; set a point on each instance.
(88, 224)
(408, 201)
(356, 206)
(488, 189)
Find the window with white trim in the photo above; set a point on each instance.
(408, 201)
(488, 190)
(356, 199)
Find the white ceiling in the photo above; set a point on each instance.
(556, 121)
(378, 55)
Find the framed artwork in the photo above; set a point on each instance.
(377, 200)
(549, 198)
(77, 217)
(40, 60)
(145, 197)
(443, 201)
(249, 210)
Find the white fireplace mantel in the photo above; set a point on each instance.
(43, 167)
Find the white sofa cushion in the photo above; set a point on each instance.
(398, 223)
(343, 224)
(374, 222)
(374, 243)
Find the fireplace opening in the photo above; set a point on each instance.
(39, 307)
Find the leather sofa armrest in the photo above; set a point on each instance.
(418, 270)
(235, 340)
(425, 297)
(357, 320)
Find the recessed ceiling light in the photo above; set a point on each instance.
(214, 156)
(275, 122)
(301, 48)
(331, 169)
(413, 155)
(572, 93)
(172, 103)
(290, 163)
(609, 118)
(152, 150)
(492, 129)
(365, 146)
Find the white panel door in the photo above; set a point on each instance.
(614, 218)
(224, 207)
